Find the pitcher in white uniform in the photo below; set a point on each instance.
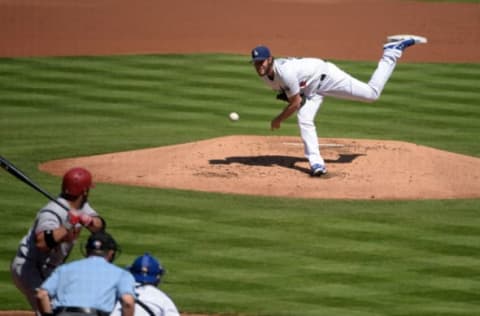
(304, 82)
(53, 234)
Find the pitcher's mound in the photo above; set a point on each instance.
(275, 166)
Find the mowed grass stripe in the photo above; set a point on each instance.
(359, 263)
(128, 84)
(240, 254)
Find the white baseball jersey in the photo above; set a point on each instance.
(31, 266)
(297, 75)
(315, 79)
(155, 299)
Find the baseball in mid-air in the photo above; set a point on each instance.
(234, 116)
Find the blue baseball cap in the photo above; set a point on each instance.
(260, 53)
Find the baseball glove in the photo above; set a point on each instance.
(282, 96)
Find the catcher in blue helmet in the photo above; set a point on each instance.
(147, 270)
(151, 301)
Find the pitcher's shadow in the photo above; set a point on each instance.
(278, 160)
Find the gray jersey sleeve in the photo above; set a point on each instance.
(53, 216)
(87, 209)
(49, 219)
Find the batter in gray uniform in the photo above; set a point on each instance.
(53, 234)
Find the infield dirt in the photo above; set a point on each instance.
(275, 166)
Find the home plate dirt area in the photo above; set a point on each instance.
(275, 166)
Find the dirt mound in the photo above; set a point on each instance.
(275, 166)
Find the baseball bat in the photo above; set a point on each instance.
(17, 173)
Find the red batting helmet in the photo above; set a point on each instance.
(76, 181)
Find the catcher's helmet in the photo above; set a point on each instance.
(147, 269)
(76, 181)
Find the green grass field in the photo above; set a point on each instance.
(242, 255)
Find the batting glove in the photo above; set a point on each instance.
(86, 220)
(73, 218)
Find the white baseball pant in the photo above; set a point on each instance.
(339, 84)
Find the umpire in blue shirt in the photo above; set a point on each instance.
(90, 286)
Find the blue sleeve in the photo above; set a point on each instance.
(126, 284)
(51, 283)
